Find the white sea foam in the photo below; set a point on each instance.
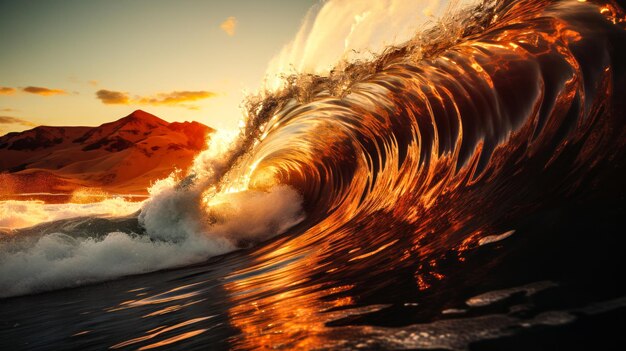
(58, 260)
(178, 233)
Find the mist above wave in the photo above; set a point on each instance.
(360, 31)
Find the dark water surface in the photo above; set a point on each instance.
(554, 284)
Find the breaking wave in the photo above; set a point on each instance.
(493, 110)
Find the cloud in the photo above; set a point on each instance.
(15, 120)
(44, 91)
(7, 110)
(93, 83)
(175, 98)
(229, 26)
(6, 91)
(109, 97)
(10, 124)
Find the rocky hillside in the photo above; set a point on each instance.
(124, 156)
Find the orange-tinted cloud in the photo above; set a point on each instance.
(110, 97)
(229, 26)
(15, 120)
(175, 98)
(44, 91)
(6, 91)
(10, 124)
(93, 83)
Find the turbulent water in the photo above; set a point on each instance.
(461, 189)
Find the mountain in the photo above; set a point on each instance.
(124, 156)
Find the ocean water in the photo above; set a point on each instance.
(461, 187)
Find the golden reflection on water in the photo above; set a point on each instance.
(272, 312)
(171, 309)
(162, 330)
(174, 339)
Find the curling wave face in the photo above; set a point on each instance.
(522, 92)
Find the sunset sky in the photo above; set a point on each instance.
(77, 62)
